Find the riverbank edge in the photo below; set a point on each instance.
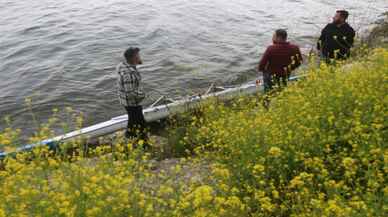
(377, 36)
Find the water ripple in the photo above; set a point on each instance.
(63, 53)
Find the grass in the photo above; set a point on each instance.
(319, 150)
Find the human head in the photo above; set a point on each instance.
(132, 56)
(340, 17)
(280, 35)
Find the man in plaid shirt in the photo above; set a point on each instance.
(131, 95)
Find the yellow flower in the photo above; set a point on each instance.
(94, 179)
(2, 213)
(220, 172)
(149, 208)
(266, 204)
(275, 151)
(165, 190)
(348, 162)
(234, 202)
(275, 194)
(5, 141)
(296, 182)
(141, 142)
(202, 195)
(93, 211)
(258, 168)
(386, 191)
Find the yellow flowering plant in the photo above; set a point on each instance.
(313, 143)
(316, 148)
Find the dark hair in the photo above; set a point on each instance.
(131, 52)
(281, 33)
(344, 14)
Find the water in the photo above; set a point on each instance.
(63, 53)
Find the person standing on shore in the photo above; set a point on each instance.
(337, 38)
(279, 60)
(131, 95)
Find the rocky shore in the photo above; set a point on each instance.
(378, 35)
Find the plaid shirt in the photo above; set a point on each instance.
(128, 83)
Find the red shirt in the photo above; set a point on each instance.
(281, 58)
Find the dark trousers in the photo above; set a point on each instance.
(271, 80)
(136, 127)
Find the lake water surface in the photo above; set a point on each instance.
(63, 53)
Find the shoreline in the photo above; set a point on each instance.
(377, 35)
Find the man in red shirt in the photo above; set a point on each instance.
(279, 60)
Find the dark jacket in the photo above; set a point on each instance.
(281, 59)
(335, 42)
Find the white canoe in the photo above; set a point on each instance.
(151, 114)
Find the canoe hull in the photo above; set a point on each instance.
(150, 114)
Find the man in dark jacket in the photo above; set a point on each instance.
(337, 38)
(279, 60)
(130, 93)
